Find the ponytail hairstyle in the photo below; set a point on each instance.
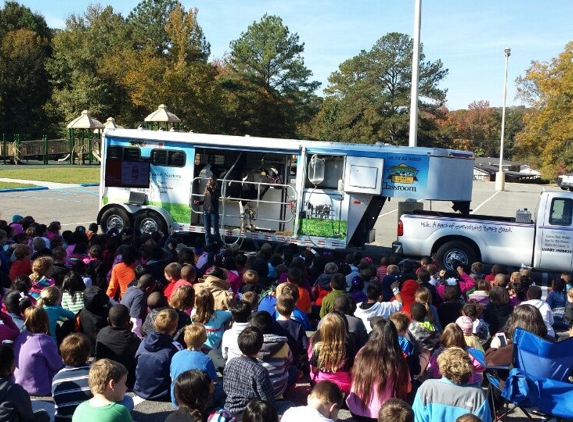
(49, 296)
(424, 296)
(41, 267)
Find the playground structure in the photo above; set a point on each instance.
(83, 143)
(72, 151)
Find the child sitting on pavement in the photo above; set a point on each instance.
(107, 383)
(16, 403)
(241, 311)
(152, 375)
(275, 355)
(194, 359)
(244, 377)
(421, 329)
(117, 342)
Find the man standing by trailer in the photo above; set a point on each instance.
(211, 210)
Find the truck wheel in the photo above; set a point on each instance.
(149, 222)
(456, 251)
(114, 218)
(571, 189)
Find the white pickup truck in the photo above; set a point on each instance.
(565, 181)
(545, 243)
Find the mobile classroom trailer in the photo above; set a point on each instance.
(310, 193)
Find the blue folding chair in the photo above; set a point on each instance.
(540, 381)
(492, 375)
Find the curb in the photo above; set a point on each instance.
(29, 188)
(24, 189)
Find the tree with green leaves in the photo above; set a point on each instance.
(546, 140)
(149, 23)
(97, 65)
(24, 88)
(368, 98)
(77, 66)
(179, 76)
(269, 87)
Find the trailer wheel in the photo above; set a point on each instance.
(149, 222)
(456, 251)
(115, 218)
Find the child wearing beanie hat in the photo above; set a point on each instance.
(466, 324)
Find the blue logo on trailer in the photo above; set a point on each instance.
(405, 175)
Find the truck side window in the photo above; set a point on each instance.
(561, 212)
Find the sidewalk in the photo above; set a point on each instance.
(40, 184)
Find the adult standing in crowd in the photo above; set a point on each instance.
(210, 204)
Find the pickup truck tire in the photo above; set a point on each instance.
(456, 250)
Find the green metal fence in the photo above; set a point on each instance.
(45, 150)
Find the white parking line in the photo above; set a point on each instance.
(484, 202)
(387, 213)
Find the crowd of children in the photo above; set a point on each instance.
(223, 334)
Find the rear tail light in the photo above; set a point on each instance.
(400, 228)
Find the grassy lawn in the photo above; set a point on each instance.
(9, 185)
(57, 174)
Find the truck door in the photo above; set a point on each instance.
(554, 238)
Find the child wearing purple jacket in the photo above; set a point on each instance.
(37, 357)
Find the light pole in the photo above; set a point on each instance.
(413, 135)
(500, 177)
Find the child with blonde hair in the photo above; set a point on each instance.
(50, 301)
(453, 336)
(107, 380)
(152, 372)
(41, 269)
(331, 355)
(192, 357)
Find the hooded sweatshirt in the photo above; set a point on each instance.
(93, 316)
(366, 311)
(276, 357)
(221, 290)
(152, 376)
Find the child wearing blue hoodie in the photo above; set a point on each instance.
(152, 372)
